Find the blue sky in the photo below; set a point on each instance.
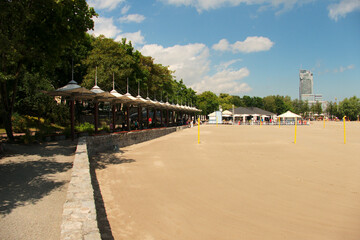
(244, 47)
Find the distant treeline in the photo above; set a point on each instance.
(209, 102)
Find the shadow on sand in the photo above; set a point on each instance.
(25, 182)
(49, 149)
(101, 161)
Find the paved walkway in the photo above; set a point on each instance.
(33, 186)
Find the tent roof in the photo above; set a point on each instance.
(253, 111)
(261, 111)
(226, 113)
(243, 110)
(213, 114)
(289, 114)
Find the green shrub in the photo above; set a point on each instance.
(19, 123)
(85, 127)
(105, 128)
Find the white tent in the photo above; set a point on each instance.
(289, 114)
(213, 114)
(226, 113)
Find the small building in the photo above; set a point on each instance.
(215, 117)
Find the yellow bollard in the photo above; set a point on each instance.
(344, 130)
(279, 122)
(198, 130)
(324, 122)
(295, 130)
(216, 120)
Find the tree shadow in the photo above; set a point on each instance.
(100, 161)
(25, 182)
(49, 149)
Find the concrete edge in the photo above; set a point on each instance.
(79, 212)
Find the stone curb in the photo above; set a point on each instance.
(79, 213)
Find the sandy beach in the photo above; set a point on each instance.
(240, 182)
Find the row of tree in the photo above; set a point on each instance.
(40, 39)
(209, 102)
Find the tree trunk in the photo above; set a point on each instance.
(8, 125)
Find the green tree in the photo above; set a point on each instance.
(282, 104)
(305, 109)
(226, 101)
(33, 35)
(248, 101)
(350, 108)
(316, 108)
(207, 102)
(122, 60)
(269, 104)
(300, 107)
(237, 101)
(332, 109)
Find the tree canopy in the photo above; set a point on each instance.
(33, 34)
(121, 60)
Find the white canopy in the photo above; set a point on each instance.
(289, 114)
(226, 113)
(212, 114)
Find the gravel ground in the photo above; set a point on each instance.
(33, 186)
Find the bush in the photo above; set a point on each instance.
(85, 127)
(105, 128)
(19, 123)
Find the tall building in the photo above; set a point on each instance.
(306, 84)
(306, 90)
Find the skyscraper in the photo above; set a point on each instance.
(306, 91)
(306, 84)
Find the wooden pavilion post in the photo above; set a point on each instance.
(128, 117)
(161, 117)
(72, 117)
(167, 118)
(173, 117)
(113, 116)
(147, 117)
(154, 117)
(96, 117)
(139, 117)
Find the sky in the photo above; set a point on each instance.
(244, 47)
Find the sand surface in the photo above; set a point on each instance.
(33, 186)
(240, 182)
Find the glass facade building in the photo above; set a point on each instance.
(306, 84)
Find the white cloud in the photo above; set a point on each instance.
(132, 18)
(104, 26)
(343, 69)
(191, 63)
(225, 65)
(251, 44)
(105, 4)
(136, 38)
(207, 5)
(342, 8)
(222, 45)
(226, 81)
(125, 9)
